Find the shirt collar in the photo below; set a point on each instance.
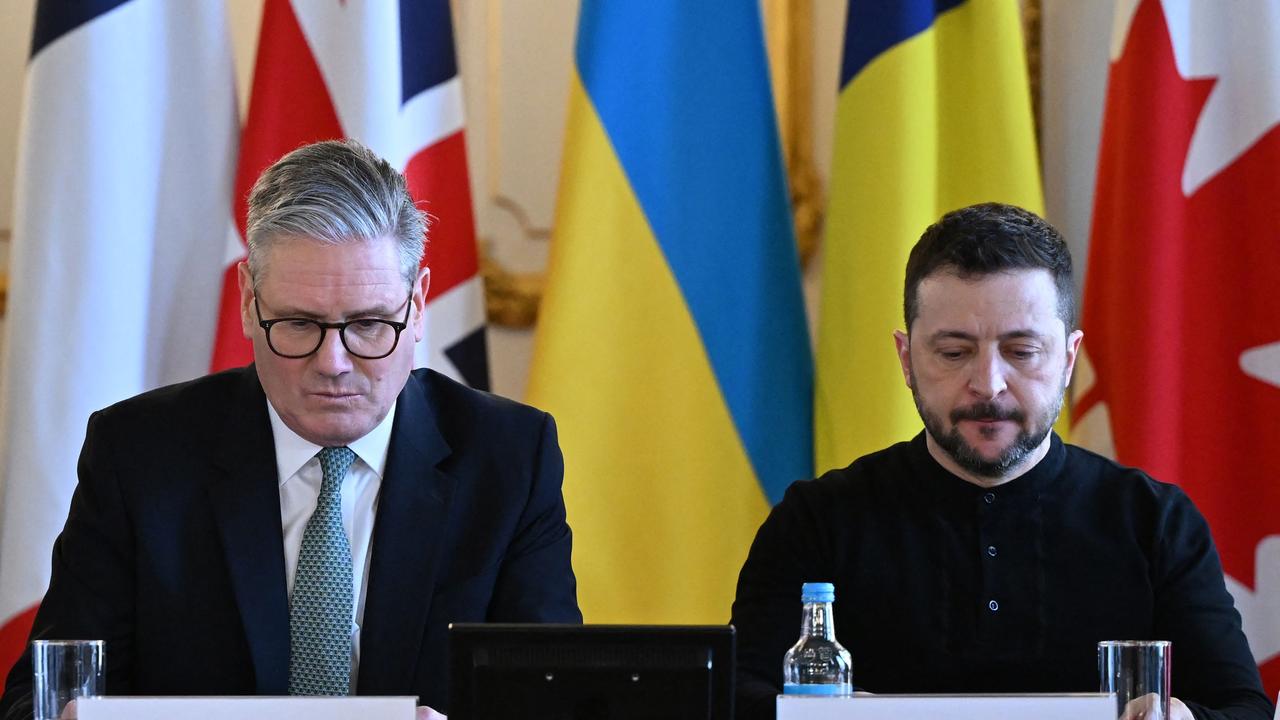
(292, 451)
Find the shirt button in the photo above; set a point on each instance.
(993, 606)
(991, 550)
(989, 497)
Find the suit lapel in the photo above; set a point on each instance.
(408, 533)
(246, 503)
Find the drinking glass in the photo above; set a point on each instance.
(62, 671)
(1137, 671)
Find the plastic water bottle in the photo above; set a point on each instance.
(817, 664)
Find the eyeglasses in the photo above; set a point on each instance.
(368, 338)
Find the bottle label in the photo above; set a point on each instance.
(815, 689)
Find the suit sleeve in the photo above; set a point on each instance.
(91, 585)
(1214, 672)
(536, 582)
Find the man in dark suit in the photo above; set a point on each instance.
(310, 524)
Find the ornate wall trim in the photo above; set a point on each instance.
(512, 298)
(789, 39)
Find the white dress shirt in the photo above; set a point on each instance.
(298, 469)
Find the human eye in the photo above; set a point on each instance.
(367, 326)
(296, 325)
(1023, 352)
(952, 354)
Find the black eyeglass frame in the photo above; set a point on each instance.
(341, 327)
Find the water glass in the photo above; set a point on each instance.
(1137, 671)
(64, 670)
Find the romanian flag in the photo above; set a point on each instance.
(934, 114)
(672, 346)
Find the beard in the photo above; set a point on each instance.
(1030, 435)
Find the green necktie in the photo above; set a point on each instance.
(323, 596)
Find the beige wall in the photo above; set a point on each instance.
(15, 43)
(1076, 36)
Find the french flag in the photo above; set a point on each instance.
(383, 73)
(126, 154)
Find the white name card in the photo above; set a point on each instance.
(1083, 706)
(246, 708)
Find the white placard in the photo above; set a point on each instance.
(246, 708)
(1083, 706)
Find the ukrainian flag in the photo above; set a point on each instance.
(934, 114)
(671, 345)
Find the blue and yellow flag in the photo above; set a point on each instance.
(934, 114)
(671, 344)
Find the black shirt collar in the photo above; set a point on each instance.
(940, 482)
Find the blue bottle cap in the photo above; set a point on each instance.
(818, 592)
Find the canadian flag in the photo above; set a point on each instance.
(384, 73)
(1180, 373)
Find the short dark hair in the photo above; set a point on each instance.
(991, 238)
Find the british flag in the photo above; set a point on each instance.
(386, 74)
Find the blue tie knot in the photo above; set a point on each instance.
(334, 463)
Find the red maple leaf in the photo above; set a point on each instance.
(1179, 287)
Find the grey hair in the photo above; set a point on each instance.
(334, 192)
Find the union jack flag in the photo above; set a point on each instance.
(386, 74)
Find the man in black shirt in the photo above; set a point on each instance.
(985, 555)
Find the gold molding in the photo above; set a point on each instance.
(788, 26)
(521, 216)
(511, 299)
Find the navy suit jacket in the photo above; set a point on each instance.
(173, 550)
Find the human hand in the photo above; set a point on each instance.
(426, 713)
(1144, 708)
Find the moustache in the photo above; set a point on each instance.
(987, 411)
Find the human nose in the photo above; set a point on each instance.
(332, 358)
(987, 377)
